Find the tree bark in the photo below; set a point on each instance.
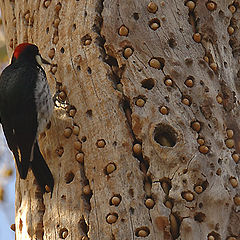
(144, 141)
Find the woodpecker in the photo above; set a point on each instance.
(26, 107)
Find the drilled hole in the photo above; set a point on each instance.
(154, 24)
(148, 83)
(69, 177)
(165, 135)
(199, 217)
(166, 184)
(111, 61)
(136, 16)
(89, 113)
(175, 223)
(215, 235)
(74, 27)
(63, 197)
(205, 184)
(49, 125)
(62, 50)
(131, 193)
(89, 70)
(59, 151)
(63, 233)
(83, 226)
(84, 139)
(172, 43)
(132, 210)
(47, 30)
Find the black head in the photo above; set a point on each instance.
(27, 52)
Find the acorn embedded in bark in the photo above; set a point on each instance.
(77, 145)
(230, 143)
(123, 31)
(230, 30)
(140, 102)
(101, 143)
(80, 157)
(233, 182)
(196, 126)
(137, 149)
(115, 200)
(232, 9)
(152, 7)
(189, 82)
(67, 132)
(198, 189)
(47, 3)
(86, 190)
(154, 63)
(168, 81)
(188, 196)
(213, 66)
(230, 133)
(211, 6)
(149, 203)
(127, 52)
(191, 5)
(203, 149)
(163, 110)
(111, 167)
(197, 37)
(112, 218)
(76, 130)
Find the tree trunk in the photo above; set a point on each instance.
(144, 141)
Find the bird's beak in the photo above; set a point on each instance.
(44, 61)
(41, 60)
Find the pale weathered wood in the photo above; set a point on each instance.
(183, 183)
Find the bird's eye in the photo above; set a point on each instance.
(39, 59)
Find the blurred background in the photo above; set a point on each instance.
(7, 169)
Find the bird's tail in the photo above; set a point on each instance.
(41, 171)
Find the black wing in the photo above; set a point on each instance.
(18, 113)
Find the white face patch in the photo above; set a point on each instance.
(39, 60)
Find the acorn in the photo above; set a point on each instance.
(152, 7)
(137, 149)
(149, 203)
(191, 5)
(101, 143)
(163, 110)
(111, 167)
(154, 63)
(203, 149)
(211, 6)
(127, 52)
(197, 37)
(115, 200)
(112, 218)
(123, 31)
(140, 102)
